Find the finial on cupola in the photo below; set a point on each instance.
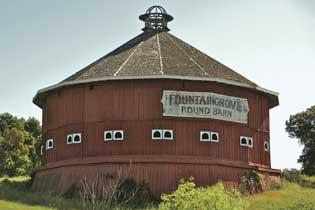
(156, 18)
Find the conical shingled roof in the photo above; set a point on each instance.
(157, 53)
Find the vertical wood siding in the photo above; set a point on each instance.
(135, 107)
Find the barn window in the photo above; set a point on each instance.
(69, 139)
(205, 135)
(214, 136)
(41, 149)
(246, 141)
(266, 146)
(157, 134)
(108, 135)
(168, 134)
(250, 141)
(77, 138)
(49, 144)
(243, 141)
(119, 135)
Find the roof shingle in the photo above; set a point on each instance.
(158, 53)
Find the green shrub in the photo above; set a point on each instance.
(133, 194)
(188, 197)
(292, 175)
(307, 181)
(250, 182)
(72, 192)
(106, 191)
(276, 185)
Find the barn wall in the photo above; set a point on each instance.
(135, 107)
(161, 177)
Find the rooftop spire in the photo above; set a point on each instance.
(156, 18)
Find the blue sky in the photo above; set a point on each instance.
(270, 42)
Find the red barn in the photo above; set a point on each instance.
(160, 104)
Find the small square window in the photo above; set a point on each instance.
(250, 141)
(108, 135)
(118, 135)
(69, 139)
(243, 141)
(168, 134)
(49, 144)
(214, 136)
(246, 141)
(77, 138)
(157, 134)
(205, 135)
(266, 146)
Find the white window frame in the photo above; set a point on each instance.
(47, 144)
(41, 149)
(205, 132)
(268, 146)
(168, 138)
(157, 130)
(70, 135)
(252, 140)
(216, 133)
(108, 139)
(247, 141)
(80, 136)
(244, 145)
(122, 135)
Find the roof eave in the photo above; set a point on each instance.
(37, 99)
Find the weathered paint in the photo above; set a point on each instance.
(135, 106)
(204, 105)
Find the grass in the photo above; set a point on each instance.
(9, 205)
(15, 191)
(14, 194)
(291, 196)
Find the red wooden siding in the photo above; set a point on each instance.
(162, 177)
(135, 107)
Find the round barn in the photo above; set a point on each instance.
(158, 110)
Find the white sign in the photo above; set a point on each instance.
(204, 105)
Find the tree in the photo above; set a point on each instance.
(20, 142)
(7, 121)
(32, 126)
(302, 127)
(33, 139)
(14, 153)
